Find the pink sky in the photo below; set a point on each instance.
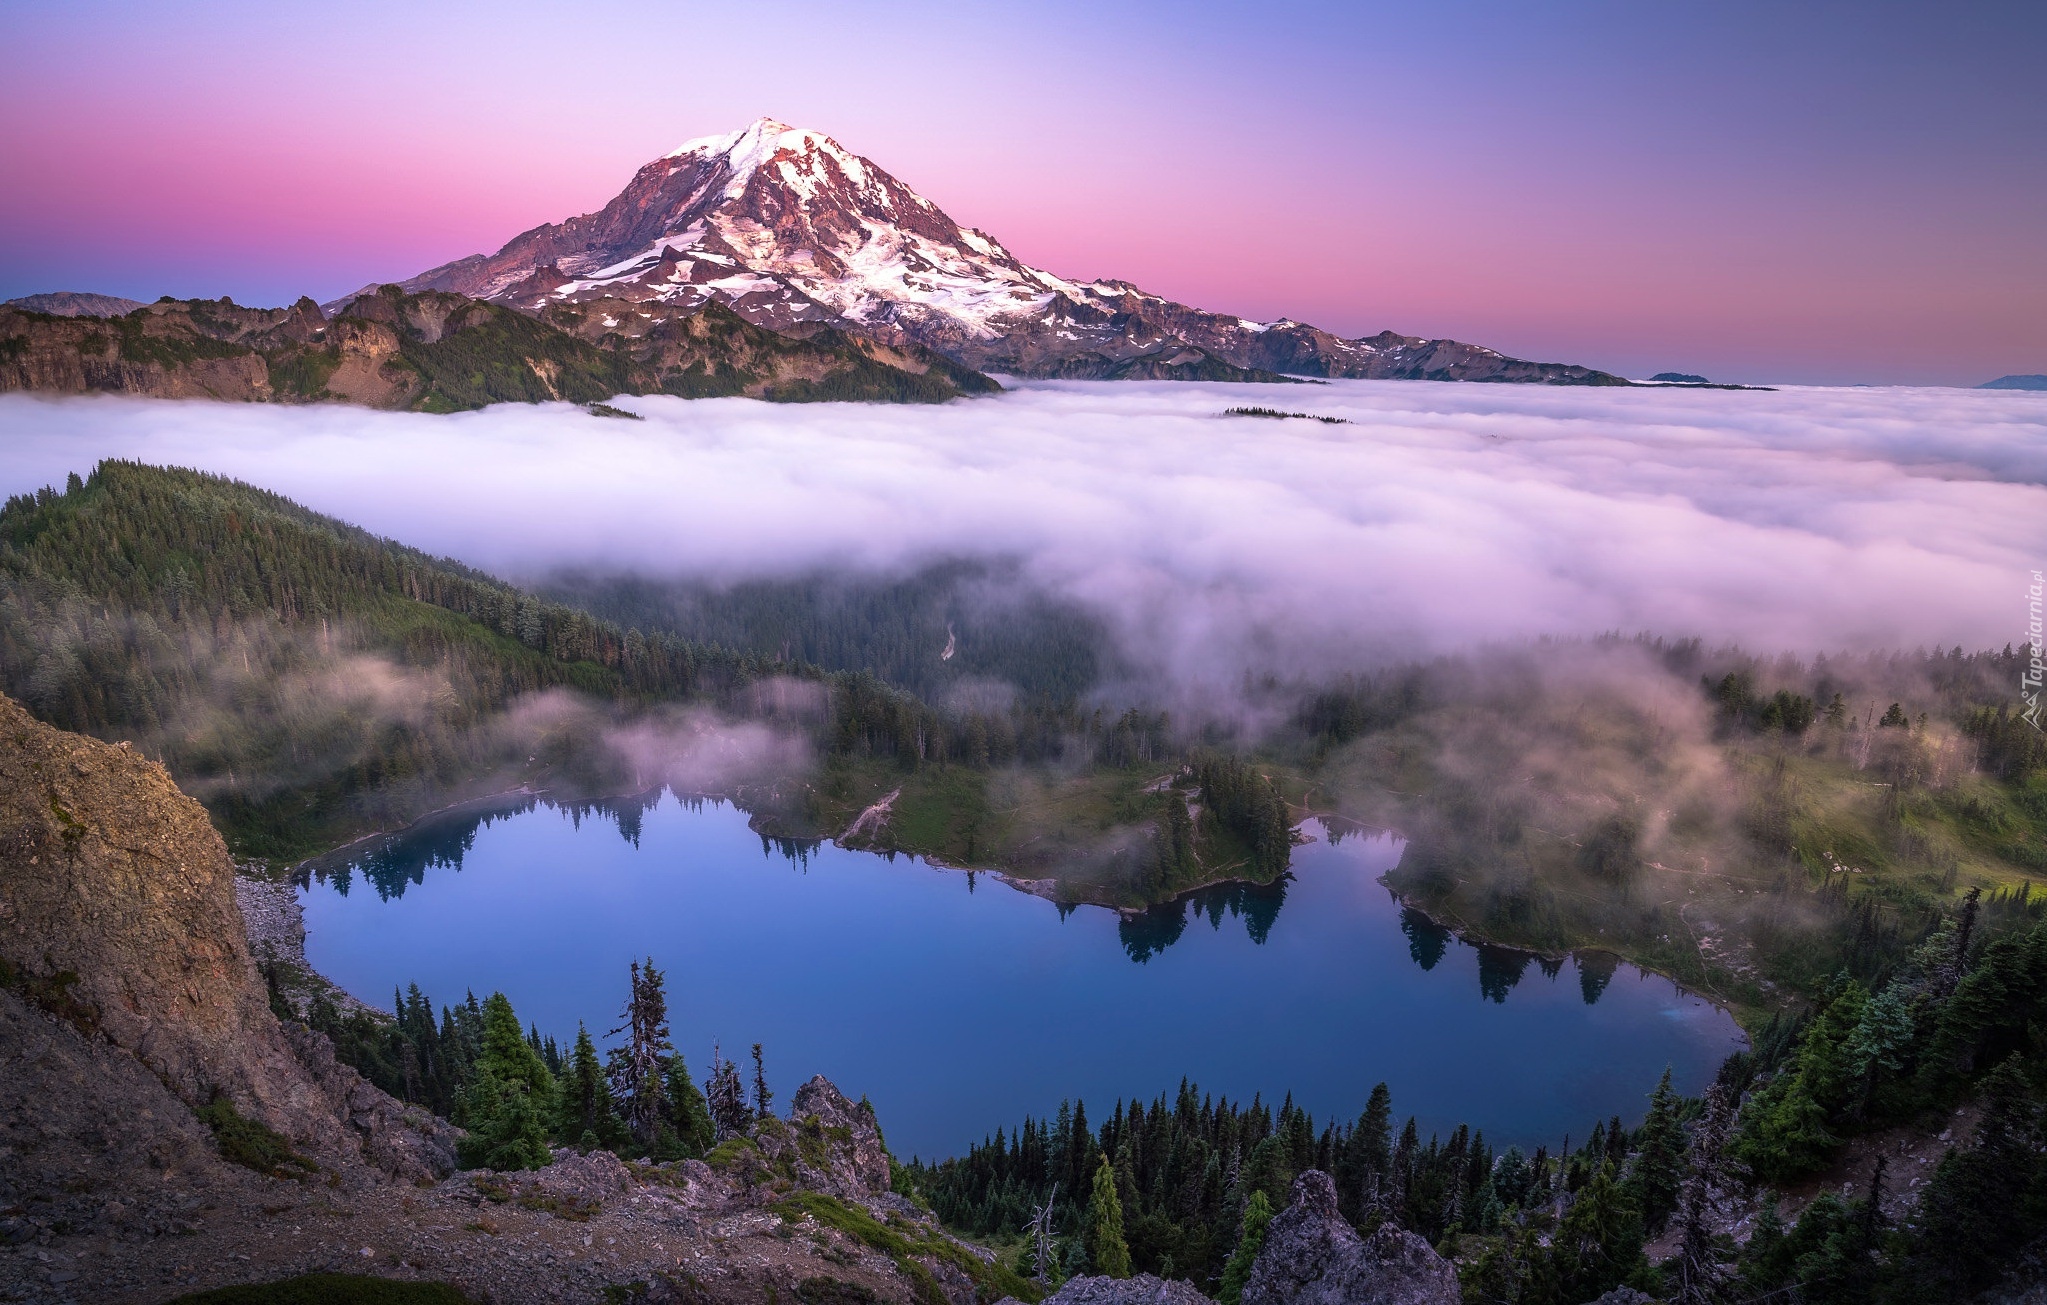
(1742, 193)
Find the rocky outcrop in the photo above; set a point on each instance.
(1313, 1256)
(1144, 1289)
(830, 1144)
(118, 915)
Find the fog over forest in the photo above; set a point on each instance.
(1435, 518)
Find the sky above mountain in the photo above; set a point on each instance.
(1829, 193)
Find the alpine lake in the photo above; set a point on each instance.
(958, 1004)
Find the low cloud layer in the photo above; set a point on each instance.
(1440, 517)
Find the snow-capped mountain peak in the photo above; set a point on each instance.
(794, 231)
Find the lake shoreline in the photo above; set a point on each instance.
(1061, 893)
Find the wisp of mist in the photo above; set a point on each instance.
(1433, 517)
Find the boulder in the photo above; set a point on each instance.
(1144, 1289)
(1312, 1256)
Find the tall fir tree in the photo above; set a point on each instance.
(725, 1097)
(587, 1117)
(689, 1116)
(1658, 1169)
(510, 1103)
(1107, 1252)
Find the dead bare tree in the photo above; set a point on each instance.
(1699, 1270)
(1041, 1235)
(637, 1067)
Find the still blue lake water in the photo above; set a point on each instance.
(958, 1004)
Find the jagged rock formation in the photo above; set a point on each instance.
(118, 915)
(794, 232)
(441, 352)
(1312, 1256)
(838, 1144)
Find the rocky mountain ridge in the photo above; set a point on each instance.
(75, 303)
(793, 232)
(438, 351)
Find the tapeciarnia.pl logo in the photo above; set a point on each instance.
(2029, 683)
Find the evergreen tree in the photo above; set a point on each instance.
(1108, 1254)
(762, 1098)
(1250, 1241)
(1786, 1131)
(1658, 1167)
(689, 1117)
(1698, 1269)
(1984, 1201)
(511, 1102)
(587, 1116)
(1598, 1246)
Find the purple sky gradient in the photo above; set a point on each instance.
(1828, 193)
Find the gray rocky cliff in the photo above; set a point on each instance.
(118, 916)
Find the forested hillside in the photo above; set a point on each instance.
(947, 628)
(310, 682)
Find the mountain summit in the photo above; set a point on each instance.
(795, 232)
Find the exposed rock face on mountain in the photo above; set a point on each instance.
(75, 303)
(118, 914)
(704, 350)
(794, 231)
(1312, 1256)
(438, 351)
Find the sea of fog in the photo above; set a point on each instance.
(1432, 516)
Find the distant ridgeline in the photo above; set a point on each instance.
(442, 352)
